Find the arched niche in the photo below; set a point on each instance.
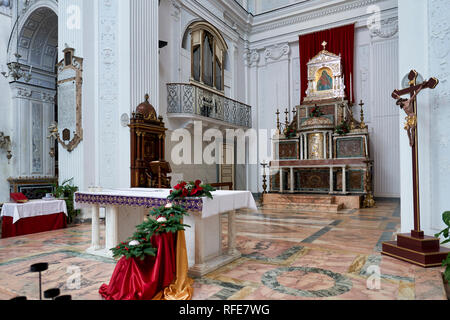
(33, 102)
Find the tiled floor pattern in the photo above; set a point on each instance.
(286, 255)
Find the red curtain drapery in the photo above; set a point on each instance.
(134, 279)
(340, 40)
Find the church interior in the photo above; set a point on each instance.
(224, 150)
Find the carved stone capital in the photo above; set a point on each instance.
(251, 58)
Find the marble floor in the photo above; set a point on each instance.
(286, 255)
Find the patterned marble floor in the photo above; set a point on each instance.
(286, 255)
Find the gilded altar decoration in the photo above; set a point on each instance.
(315, 142)
(68, 131)
(325, 79)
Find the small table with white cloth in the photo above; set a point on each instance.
(33, 217)
(127, 208)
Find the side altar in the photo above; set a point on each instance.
(322, 156)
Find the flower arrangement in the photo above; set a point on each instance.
(290, 132)
(191, 189)
(343, 128)
(446, 234)
(165, 219)
(316, 112)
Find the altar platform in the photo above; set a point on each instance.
(127, 208)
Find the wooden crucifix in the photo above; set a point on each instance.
(410, 107)
(415, 247)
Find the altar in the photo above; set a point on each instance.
(127, 208)
(324, 151)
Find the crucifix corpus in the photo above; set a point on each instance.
(415, 247)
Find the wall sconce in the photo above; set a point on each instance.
(5, 143)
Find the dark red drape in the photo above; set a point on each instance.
(134, 279)
(33, 225)
(340, 40)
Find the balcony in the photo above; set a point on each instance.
(185, 100)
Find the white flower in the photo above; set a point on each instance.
(162, 219)
(169, 205)
(134, 243)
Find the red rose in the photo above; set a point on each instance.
(183, 184)
(197, 183)
(178, 187)
(185, 193)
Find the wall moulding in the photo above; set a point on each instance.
(388, 28)
(277, 52)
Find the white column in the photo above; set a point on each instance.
(95, 217)
(112, 227)
(301, 147)
(292, 179)
(331, 181)
(144, 52)
(344, 181)
(281, 180)
(232, 233)
(199, 240)
(306, 146)
(331, 145)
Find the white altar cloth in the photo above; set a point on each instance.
(126, 208)
(33, 208)
(223, 201)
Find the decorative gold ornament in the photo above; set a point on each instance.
(411, 122)
(362, 125)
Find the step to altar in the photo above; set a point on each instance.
(311, 202)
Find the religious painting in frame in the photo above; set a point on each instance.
(68, 131)
(324, 79)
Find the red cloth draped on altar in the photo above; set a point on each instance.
(32, 225)
(340, 40)
(134, 279)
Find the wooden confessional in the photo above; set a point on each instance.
(148, 167)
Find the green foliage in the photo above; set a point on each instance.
(445, 233)
(291, 132)
(343, 128)
(66, 191)
(316, 112)
(142, 246)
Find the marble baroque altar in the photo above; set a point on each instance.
(127, 208)
(324, 150)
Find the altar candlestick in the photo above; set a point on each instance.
(278, 120)
(351, 89)
(363, 125)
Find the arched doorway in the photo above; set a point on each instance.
(34, 102)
